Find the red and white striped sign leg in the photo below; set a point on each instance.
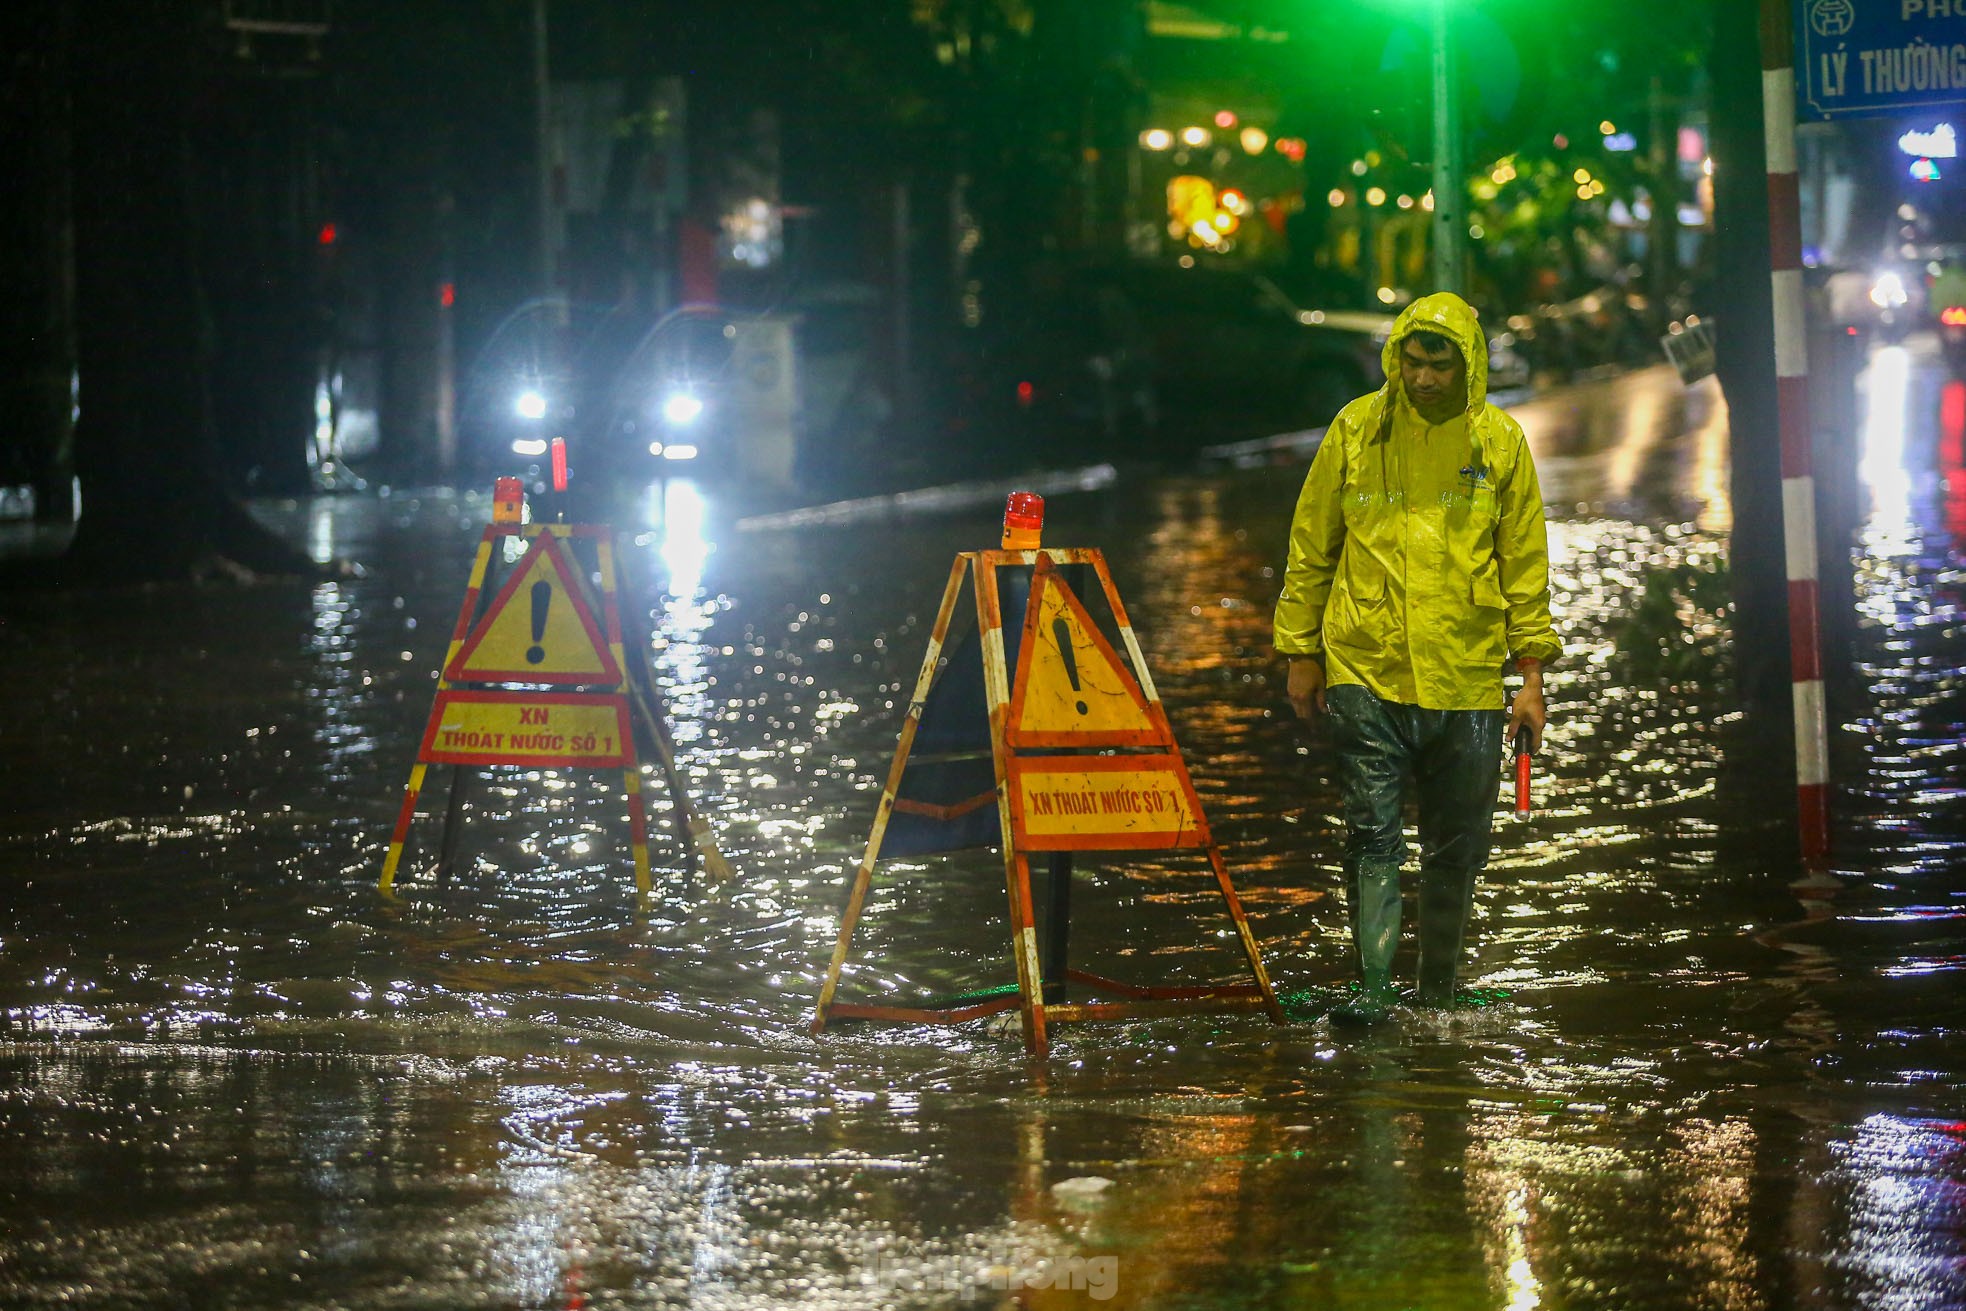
(1798, 472)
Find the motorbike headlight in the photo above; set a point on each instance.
(1888, 292)
(530, 404)
(681, 409)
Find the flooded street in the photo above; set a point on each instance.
(231, 1075)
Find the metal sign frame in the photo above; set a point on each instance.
(1015, 764)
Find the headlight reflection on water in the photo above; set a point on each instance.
(1882, 462)
(678, 515)
(1903, 1202)
(677, 512)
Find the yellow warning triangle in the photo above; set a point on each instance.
(539, 628)
(1071, 689)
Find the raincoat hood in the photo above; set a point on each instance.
(1450, 316)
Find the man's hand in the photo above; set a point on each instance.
(1527, 710)
(1306, 687)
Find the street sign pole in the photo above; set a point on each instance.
(1792, 398)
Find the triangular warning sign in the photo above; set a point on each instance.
(539, 629)
(1071, 689)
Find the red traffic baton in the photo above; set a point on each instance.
(1523, 755)
(559, 464)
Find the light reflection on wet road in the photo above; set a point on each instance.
(230, 1077)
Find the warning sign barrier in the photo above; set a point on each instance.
(528, 728)
(1084, 760)
(579, 700)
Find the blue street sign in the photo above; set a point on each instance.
(1878, 58)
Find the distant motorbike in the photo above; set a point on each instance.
(1893, 302)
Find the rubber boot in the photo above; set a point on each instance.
(1445, 897)
(1374, 906)
(1455, 779)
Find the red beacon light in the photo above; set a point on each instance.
(508, 500)
(1023, 521)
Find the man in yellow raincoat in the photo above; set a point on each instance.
(1419, 570)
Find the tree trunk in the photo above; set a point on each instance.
(37, 289)
(154, 504)
(258, 214)
(1762, 780)
(409, 247)
(1745, 356)
(1662, 182)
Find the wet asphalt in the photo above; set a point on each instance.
(1688, 1073)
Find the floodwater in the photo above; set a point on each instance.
(233, 1076)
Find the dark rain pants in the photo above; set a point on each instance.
(1450, 755)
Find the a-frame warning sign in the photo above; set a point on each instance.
(538, 629)
(547, 683)
(1084, 761)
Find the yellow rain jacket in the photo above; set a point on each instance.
(1418, 561)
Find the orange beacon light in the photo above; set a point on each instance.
(1023, 521)
(508, 500)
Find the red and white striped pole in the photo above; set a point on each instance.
(1792, 389)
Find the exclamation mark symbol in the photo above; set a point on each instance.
(542, 597)
(1062, 630)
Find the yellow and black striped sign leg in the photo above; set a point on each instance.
(402, 831)
(1248, 939)
(473, 591)
(1017, 869)
(1024, 947)
(863, 876)
(638, 830)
